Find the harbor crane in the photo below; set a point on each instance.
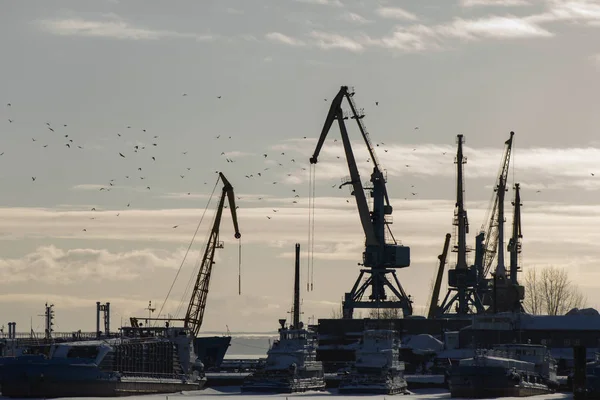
(462, 296)
(494, 236)
(197, 304)
(380, 258)
(195, 312)
(502, 291)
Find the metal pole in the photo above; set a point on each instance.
(297, 289)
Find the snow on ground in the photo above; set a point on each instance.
(420, 394)
(227, 393)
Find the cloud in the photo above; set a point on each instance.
(329, 41)
(493, 27)
(552, 167)
(353, 18)
(335, 3)
(56, 266)
(561, 10)
(395, 13)
(284, 39)
(419, 37)
(503, 3)
(85, 272)
(111, 26)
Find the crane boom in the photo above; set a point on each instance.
(336, 112)
(435, 295)
(495, 229)
(195, 312)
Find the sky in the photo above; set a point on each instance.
(206, 86)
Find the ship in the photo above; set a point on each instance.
(291, 364)
(146, 360)
(377, 369)
(211, 350)
(509, 370)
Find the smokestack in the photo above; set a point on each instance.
(97, 319)
(296, 320)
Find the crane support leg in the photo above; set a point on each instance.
(378, 281)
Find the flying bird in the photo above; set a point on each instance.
(175, 226)
(121, 154)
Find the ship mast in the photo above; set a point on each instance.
(296, 315)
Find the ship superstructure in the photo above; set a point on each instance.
(377, 369)
(291, 364)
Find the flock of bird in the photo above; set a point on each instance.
(276, 164)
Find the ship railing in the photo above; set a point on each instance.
(153, 375)
(57, 336)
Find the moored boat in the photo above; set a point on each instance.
(377, 369)
(142, 364)
(291, 364)
(516, 370)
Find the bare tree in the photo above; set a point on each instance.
(336, 314)
(550, 291)
(386, 313)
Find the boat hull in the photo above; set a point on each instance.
(491, 381)
(35, 376)
(375, 385)
(211, 350)
(46, 389)
(282, 385)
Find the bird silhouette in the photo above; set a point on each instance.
(121, 154)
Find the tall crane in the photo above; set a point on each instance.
(494, 237)
(462, 280)
(195, 312)
(379, 257)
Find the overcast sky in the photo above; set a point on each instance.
(205, 86)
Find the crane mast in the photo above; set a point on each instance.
(195, 312)
(514, 244)
(495, 230)
(462, 280)
(379, 258)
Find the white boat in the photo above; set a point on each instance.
(291, 365)
(377, 369)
